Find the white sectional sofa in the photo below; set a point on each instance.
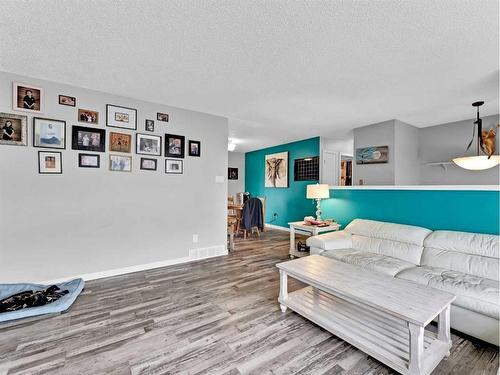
(465, 264)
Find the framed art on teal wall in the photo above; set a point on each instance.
(276, 170)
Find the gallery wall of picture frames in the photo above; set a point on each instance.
(88, 137)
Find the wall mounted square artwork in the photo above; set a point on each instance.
(173, 166)
(14, 129)
(27, 98)
(88, 116)
(276, 170)
(49, 162)
(148, 164)
(174, 146)
(150, 126)
(89, 161)
(88, 139)
(121, 117)
(162, 116)
(372, 155)
(49, 133)
(232, 173)
(67, 100)
(194, 148)
(119, 163)
(148, 144)
(119, 142)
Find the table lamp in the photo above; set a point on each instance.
(318, 192)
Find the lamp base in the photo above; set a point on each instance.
(318, 209)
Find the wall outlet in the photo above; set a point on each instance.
(275, 215)
(195, 238)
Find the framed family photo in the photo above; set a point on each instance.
(121, 117)
(194, 148)
(49, 162)
(148, 164)
(147, 144)
(89, 161)
(14, 129)
(119, 163)
(88, 139)
(49, 133)
(173, 166)
(119, 142)
(174, 146)
(86, 115)
(67, 100)
(162, 116)
(150, 126)
(27, 98)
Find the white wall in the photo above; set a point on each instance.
(236, 160)
(343, 145)
(92, 220)
(406, 146)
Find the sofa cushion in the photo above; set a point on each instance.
(471, 253)
(375, 262)
(388, 231)
(330, 241)
(473, 293)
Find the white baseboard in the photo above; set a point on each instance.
(195, 254)
(277, 227)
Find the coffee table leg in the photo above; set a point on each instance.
(444, 326)
(416, 349)
(283, 289)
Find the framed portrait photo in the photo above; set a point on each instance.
(27, 98)
(174, 146)
(49, 133)
(89, 161)
(173, 166)
(120, 163)
(148, 164)
(150, 126)
(147, 144)
(121, 117)
(88, 139)
(194, 148)
(119, 142)
(67, 100)
(162, 116)
(88, 116)
(49, 162)
(14, 129)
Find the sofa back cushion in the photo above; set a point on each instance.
(472, 253)
(400, 241)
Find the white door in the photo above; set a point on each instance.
(330, 173)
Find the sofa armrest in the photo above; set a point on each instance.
(330, 241)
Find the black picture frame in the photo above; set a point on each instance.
(74, 139)
(180, 154)
(36, 120)
(149, 159)
(50, 152)
(232, 173)
(67, 96)
(164, 117)
(111, 107)
(89, 166)
(149, 126)
(190, 150)
(179, 171)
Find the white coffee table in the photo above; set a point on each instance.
(380, 315)
(314, 230)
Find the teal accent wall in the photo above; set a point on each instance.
(289, 203)
(468, 211)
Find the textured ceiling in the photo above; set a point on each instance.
(280, 70)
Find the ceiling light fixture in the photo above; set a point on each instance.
(478, 162)
(231, 146)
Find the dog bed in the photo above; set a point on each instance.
(74, 288)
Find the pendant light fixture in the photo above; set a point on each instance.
(478, 162)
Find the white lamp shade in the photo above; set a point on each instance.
(318, 191)
(477, 163)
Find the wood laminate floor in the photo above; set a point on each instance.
(217, 316)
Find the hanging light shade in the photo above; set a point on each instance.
(477, 162)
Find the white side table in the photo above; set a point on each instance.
(314, 230)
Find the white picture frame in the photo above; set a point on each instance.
(20, 91)
(148, 144)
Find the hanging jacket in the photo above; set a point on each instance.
(252, 215)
